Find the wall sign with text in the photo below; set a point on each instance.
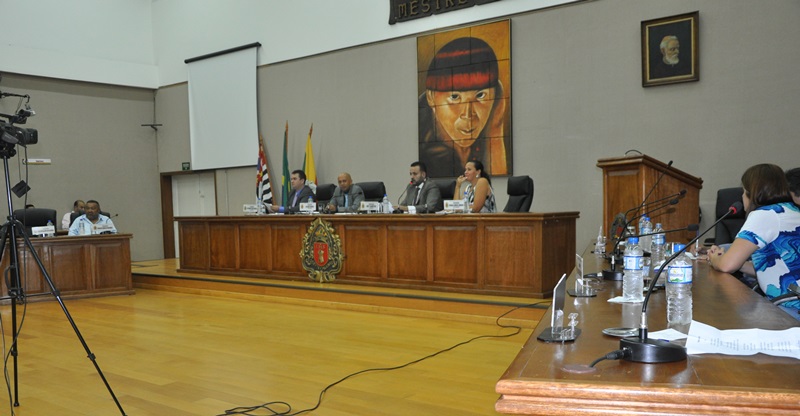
(405, 10)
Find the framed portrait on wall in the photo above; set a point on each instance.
(670, 48)
(464, 99)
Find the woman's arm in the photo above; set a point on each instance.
(734, 258)
(481, 193)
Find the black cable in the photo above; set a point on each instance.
(247, 411)
(613, 355)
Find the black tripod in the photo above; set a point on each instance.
(9, 232)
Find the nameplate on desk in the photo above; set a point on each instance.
(44, 231)
(454, 205)
(308, 207)
(251, 209)
(370, 206)
(102, 228)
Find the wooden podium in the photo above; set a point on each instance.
(626, 182)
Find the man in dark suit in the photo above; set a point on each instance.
(422, 195)
(347, 197)
(300, 193)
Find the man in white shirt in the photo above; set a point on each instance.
(92, 222)
(78, 206)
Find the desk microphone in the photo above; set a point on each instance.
(621, 221)
(613, 274)
(647, 350)
(405, 192)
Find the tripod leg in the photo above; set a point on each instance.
(57, 295)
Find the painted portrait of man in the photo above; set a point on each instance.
(669, 50)
(464, 99)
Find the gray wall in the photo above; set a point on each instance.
(99, 150)
(577, 97)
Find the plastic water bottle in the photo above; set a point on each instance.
(49, 234)
(600, 243)
(647, 228)
(386, 205)
(632, 279)
(679, 289)
(466, 202)
(657, 250)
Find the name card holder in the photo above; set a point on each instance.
(454, 205)
(370, 206)
(308, 207)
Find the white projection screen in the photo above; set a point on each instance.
(223, 114)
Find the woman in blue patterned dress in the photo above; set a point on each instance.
(768, 245)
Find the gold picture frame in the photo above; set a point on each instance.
(670, 50)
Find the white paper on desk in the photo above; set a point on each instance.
(705, 339)
(668, 334)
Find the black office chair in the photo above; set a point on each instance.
(373, 191)
(325, 193)
(726, 230)
(446, 187)
(35, 217)
(520, 194)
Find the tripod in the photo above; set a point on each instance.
(9, 232)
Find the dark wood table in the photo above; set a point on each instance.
(537, 383)
(495, 254)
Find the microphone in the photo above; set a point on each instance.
(11, 94)
(613, 274)
(690, 227)
(647, 350)
(666, 198)
(653, 188)
(405, 192)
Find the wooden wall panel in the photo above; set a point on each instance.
(409, 248)
(223, 242)
(253, 247)
(194, 247)
(510, 253)
(455, 254)
(365, 251)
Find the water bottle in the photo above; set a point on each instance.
(647, 228)
(466, 202)
(386, 206)
(679, 289)
(657, 250)
(632, 279)
(51, 233)
(600, 243)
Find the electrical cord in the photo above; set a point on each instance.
(613, 355)
(248, 411)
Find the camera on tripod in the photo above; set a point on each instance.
(12, 134)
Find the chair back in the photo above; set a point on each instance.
(520, 194)
(447, 187)
(373, 191)
(325, 192)
(726, 230)
(35, 217)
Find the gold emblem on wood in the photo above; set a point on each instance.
(322, 251)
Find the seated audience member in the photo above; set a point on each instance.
(347, 197)
(300, 193)
(77, 206)
(768, 245)
(793, 177)
(422, 195)
(92, 222)
(480, 195)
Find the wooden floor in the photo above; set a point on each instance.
(198, 349)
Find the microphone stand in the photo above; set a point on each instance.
(613, 273)
(647, 350)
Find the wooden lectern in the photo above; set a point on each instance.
(626, 182)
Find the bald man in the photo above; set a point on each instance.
(347, 197)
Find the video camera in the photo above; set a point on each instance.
(18, 135)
